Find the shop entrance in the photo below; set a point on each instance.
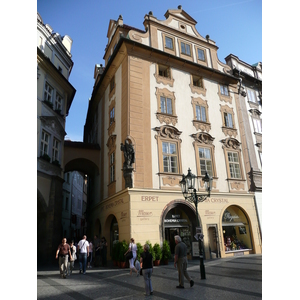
(180, 220)
(183, 232)
(214, 247)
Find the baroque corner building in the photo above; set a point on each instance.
(54, 98)
(164, 92)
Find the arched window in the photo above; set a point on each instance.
(236, 231)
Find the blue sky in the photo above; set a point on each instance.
(235, 26)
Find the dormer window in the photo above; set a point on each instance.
(169, 43)
(185, 49)
(201, 55)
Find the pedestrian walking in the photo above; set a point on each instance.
(62, 253)
(133, 248)
(97, 255)
(146, 262)
(181, 261)
(90, 258)
(83, 250)
(72, 258)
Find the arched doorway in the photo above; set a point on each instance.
(114, 233)
(179, 219)
(236, 230)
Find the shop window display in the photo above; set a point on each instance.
(235, 228)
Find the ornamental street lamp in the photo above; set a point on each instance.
(189, 192)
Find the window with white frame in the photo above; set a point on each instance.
(201, 55)
(234, 165)
(48, 93)
(170, 157)
(169, 43)
(205, 161)
(44, 143)
(58, 102)
(200, 113)
(257, 125)
(228, 119)
(166, 105)
(185, 48)
(251, 95)
(55, 150)
(224, 90)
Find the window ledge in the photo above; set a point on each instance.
(168, 119)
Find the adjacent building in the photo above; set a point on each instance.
(250, 122)
(164, 103)
(54, 98)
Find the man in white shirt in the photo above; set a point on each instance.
(83, 250)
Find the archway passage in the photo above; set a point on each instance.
(82, 157)
(236, 230)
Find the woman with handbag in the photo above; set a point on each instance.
(131, 256)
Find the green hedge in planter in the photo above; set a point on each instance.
(123, 248)
(166, 251)
(151, 250)
(139, 251)
(158, 252)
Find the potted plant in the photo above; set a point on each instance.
(151, 249)
(115, 252)
(123, 248)
(139, 251)
(166, 252)
(45, 157)
(158, 254)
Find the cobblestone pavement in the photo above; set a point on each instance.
(232, 278)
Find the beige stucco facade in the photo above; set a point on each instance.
(126, 104)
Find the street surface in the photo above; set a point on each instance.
(232, 278)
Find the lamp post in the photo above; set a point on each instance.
(189, 192)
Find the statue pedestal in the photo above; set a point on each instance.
(127, 174)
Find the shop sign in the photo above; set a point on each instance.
(216, 200)
(115, 203)
(144, 215)
(195, 249)
(175, 220)
(149, 198)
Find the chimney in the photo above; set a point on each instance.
(67, 42)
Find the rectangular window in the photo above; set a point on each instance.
(112, 84)
(234, 165)
(257, 125)
(169, 43)
(197, 81)
(228, 120)
(170, 157)
(164, 71)
(44, 143)
(205, 161)
(112, 116)
(48, 92)
(58, 102)
(251, 95)
(185, 49)
(166, 105)
(200, 113)
(224, 90)
(112, 167)
(55, 150)
(201, 55)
